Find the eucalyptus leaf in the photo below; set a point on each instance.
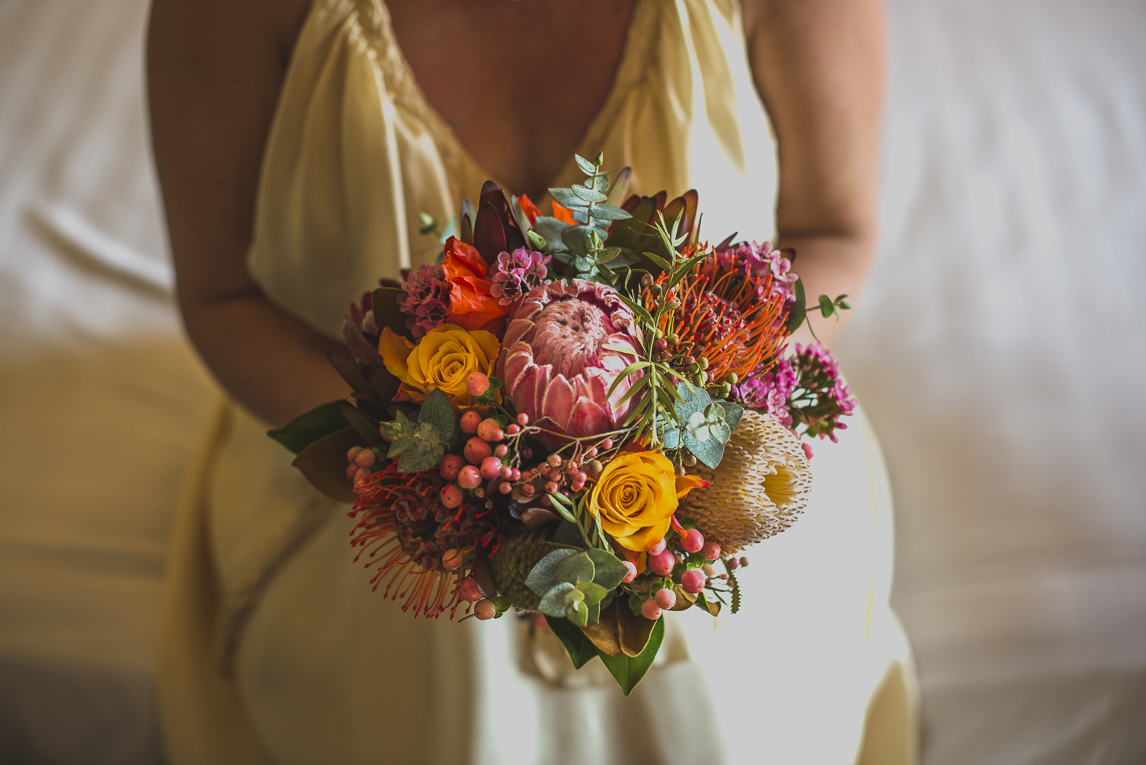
(581, 240)
(438, 412)
(608, 212)
(587, 194)
(575, 569)
(732, 414)
(553, 602)
(567, 199)
(587, 167)
(541, 577)
(827, 307)
(578, 613)
(710, 452)
(568, 534)
(550, 229)
(601, 183)
(593, 592)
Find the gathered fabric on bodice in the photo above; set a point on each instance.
(273, 646)
(356, 151)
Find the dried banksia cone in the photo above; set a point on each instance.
(511, 565)
(758, 489)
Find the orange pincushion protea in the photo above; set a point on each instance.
(404, 530)
(728, 315)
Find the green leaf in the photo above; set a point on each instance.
(605, 211)
(581, 240)
(658, 260)
(607, 255)
(437, 411)
(553, 602)
(796, 317)
(593, 592)
(609, 569)
(324, 464)
(384, 303)
(366, 425)
(827, 307)
(566, 198)
(578, 613)
(710, 452)
(309, 427)
(587, 167)
(541, 577)
(424, 454)
(576, 569)
(732, 413)
(568, 534)
(579, 647)
(630, 670)
(550, 229)
(537, 241)
(587, 194)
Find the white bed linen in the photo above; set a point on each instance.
(100, 397)
(1000, 353)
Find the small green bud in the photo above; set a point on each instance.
(703, 361)
(733, 378)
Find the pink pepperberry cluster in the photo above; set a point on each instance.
(481, 468)
(361, 465)
(664, 563)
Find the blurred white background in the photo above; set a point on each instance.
(999, 350)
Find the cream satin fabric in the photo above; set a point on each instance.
(275, 649)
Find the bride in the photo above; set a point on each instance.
(296, 142)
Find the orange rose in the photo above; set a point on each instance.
(636, 496)
(471, 305)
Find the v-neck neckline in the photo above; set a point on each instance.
(634, 56)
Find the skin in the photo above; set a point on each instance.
(215, 68)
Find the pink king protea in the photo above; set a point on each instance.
(557, 368)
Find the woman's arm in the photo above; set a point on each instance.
(215, 68)
(819, 67)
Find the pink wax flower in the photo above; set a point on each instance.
(758, 261)
(515, 275)
(558, 370)
(427, 300)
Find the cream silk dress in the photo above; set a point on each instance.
(273, 646)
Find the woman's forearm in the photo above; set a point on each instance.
(832, 265)
(271, 363)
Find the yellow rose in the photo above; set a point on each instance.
(636, 496)
(444, 358)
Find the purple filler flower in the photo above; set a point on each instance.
(758, 260)
(427, 300)
(770, 390)
(515, 275)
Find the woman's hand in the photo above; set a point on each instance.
(819, 68)
(215, 68)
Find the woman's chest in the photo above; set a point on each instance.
(518, 82)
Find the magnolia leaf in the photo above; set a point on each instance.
(324, 464)
(541, 577)
(607, 211)
(553, 602)
(576, 569)
(630, 670)
(579, 647)
(309, 427)
(620, 186)
(609, 569)
(385, 385)
(711, 606)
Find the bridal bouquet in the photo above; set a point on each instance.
(587, 416)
